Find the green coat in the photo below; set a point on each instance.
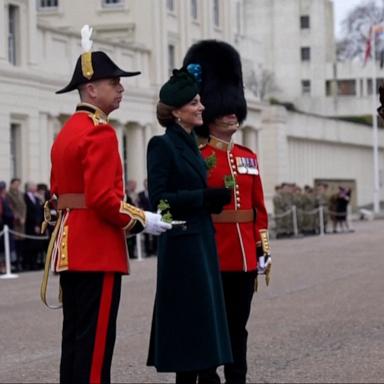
(189, 326)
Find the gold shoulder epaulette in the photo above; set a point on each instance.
(245, 148)
(97, 118)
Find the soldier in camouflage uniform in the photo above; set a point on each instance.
(277, 210)
(309, 217)
(286, 205)
(322, 202)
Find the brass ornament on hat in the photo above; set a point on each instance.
(86, 56)
(86, 65)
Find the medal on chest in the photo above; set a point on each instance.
(246, 165)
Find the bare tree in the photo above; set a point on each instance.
(356, 30)
(261, 83)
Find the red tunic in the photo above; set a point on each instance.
(236, 242)
(85, 160)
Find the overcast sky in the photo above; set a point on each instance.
(341, 9)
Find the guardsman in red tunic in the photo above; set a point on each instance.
(242, 226)
(88, 244)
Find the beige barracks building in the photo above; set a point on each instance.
(40, 42)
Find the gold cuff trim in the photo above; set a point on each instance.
(136, 214)
(265, 241)
(62, 263)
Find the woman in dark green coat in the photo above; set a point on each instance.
(189, 332)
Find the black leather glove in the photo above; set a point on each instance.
(216, 198)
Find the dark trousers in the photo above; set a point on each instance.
(207, 376)
(90, 306)
(238, 292)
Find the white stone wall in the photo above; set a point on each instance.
(290, 146)
(276, 25)
(301, 148)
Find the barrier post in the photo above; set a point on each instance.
(321, 220)
(294, 220)
(349, 221)
(139, 248)
(8, 274)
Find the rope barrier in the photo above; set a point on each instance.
(20, 234)
(286, 213)
(311, 212)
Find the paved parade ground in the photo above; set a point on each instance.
(320, 321)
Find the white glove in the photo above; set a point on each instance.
(263, 263)
(154, 224)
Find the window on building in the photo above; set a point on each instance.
(305, 54)
(171, 58)
(13, 30)
(305, 87)
(328, 88)
(48, 3)
(194, 11)
(369, 86)
(112, 2)
(346, 87)
(304, 22)
(171, 5)
(216, 13)
(342, 87)
(15, 150)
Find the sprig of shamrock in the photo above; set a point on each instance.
(164, 208)
(211, 161)
(229, 181)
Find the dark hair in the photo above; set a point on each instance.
(164, 114)
(15, 179)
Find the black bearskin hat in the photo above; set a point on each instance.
(221, 87)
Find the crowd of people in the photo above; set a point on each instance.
(306, 218)
(22, 212)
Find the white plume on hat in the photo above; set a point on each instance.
(86, 41)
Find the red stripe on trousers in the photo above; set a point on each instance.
(102, 328)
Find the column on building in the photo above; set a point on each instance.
(45, 146)
(5, 160)
(3, 34)
(119, 128)
(49, 127)
(250, 137)
(33, 136)
(32, 32)
(273, 148)
(134, 153)
(151, 130)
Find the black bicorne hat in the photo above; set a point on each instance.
(221, 87)
(91, 66)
